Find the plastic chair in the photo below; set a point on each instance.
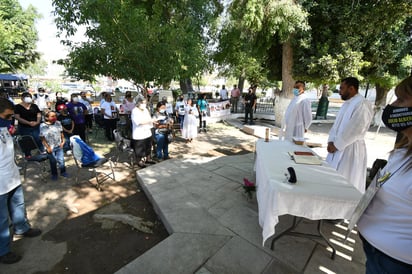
(123, 145)
(93, 166)
(27, 145)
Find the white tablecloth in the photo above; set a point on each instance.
(320, 192)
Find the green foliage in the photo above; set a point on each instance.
(36, 68)
(366, 39)
(138, 40)
(18, 36)
(250, 40)
(369, 39)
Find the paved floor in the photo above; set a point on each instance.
(214, 227)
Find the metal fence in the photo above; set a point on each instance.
(263, 105)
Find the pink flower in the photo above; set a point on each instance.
(247, 182)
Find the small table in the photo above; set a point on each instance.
(320, 192)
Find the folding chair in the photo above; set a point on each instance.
(123, 145)
(77, 157)
(27, 145)
(98, 121)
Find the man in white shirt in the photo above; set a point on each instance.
(223, 93)
(346, 144)
(12, 205)
(41, 99)
(85, 100)
(180, 110)
(298, 115)
(110, 115)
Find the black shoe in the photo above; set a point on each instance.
(150, 162)
(251, 123)
(31, 233)
(10, 258)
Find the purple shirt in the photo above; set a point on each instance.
(77, 112)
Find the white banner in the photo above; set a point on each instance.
(219, 109)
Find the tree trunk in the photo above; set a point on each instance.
(380, 103)
(381, 95)
(288, 82)
(241, 83)
(186, 85)
(325, 90)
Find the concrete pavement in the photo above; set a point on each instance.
(214, 227)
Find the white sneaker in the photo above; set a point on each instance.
(69, 152)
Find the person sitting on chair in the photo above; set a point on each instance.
(163, 125)
(52, 137)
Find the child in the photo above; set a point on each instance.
(51, 135)
(68, 126)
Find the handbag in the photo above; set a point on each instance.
(169, 137)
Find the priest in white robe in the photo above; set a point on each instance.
(298, 115)
(346, 144)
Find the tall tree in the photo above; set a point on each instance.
(18, 36)
(137, 40)
(267, 26)
(323, 41)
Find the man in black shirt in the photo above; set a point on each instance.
(250, 103)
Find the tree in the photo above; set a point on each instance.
(141, 41)
(267, 26)
(18, 36)
(337, 47)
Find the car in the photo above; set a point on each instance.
(124, 89)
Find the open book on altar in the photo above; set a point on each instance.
(305, 157)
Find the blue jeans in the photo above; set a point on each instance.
(12, 205)
(181, 120)
(57, 156)
(66, 145)
(35, 133)
(162, 146)
(378, 262)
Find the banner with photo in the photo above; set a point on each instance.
(219, 109)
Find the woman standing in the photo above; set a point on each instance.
(29, 116)
(142, 133)
(386, 225)
(202, 108)
(128, 105)
(77, 112)
(190, 122)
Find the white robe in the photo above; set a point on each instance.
(348, 134)
(298, 117)
(190, 122)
